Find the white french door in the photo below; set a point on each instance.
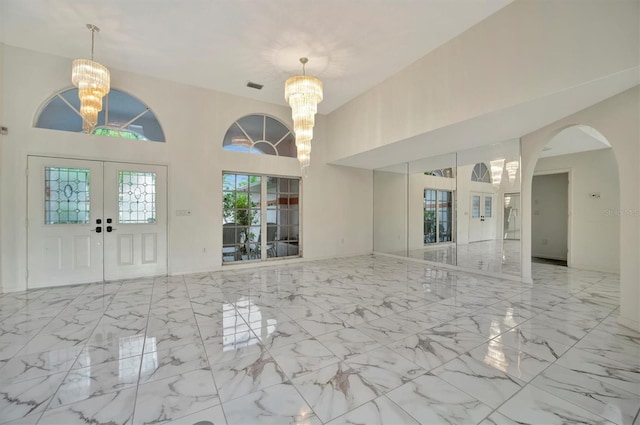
(482, 223)
(90, 221)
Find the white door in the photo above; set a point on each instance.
(135, 226)
(69, 205)
(64, 203)
(482, 218)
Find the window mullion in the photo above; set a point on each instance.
(263, 217)
(437, 216)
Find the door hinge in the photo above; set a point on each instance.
(4, 130)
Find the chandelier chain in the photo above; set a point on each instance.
(94, 29)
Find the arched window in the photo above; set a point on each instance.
(441, 172)
(122, 116)
(260, 134)
(481, 173)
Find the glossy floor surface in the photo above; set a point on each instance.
(493, 256)
(362, 340)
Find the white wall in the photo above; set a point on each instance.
(595, 224)
(528, 49)
(337, 205)
(336, 202)
(617, 119)
(1, 142)
(389, 211)
(550, 216)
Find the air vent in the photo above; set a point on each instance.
(253, 85)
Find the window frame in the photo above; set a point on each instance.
(481, 173)
(261, 222)
(69, 94)
(247, 143)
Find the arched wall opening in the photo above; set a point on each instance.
(576, 202)
(617, 119)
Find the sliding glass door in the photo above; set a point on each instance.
(260, 217)
(438, 216)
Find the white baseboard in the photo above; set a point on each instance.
(594, 269)
(276, 262)
(453, 268)
(629, 323)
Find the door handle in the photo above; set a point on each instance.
(98, 229)
(110, 229)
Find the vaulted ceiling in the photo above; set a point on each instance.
(221, 45)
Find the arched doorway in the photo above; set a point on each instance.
(575, 202)
(617, 119)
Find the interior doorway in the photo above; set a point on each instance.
(550, 217)
(593, 185)
(90, 221)
(511, 215)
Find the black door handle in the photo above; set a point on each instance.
(98, 229)
(110, 229)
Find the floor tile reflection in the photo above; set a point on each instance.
(369, 339)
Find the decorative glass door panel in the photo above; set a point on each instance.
(475, 206)
(66, 196)
(136, 197)
(136, 220)
(85, 217)
(64, 200)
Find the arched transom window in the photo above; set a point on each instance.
(122, 116)
(481, 173)
(260, 134)
(441, 172)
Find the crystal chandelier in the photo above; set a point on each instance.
(512, 168)
(242, 142)
(497, 167)
(92, 81)
(303, 93)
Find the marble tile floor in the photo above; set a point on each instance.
(494, 256)
(360, 340)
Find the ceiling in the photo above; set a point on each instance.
(352, 45)
(575, 139)
(579, 138)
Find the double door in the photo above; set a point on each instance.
(90, 221)
(482, 223)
